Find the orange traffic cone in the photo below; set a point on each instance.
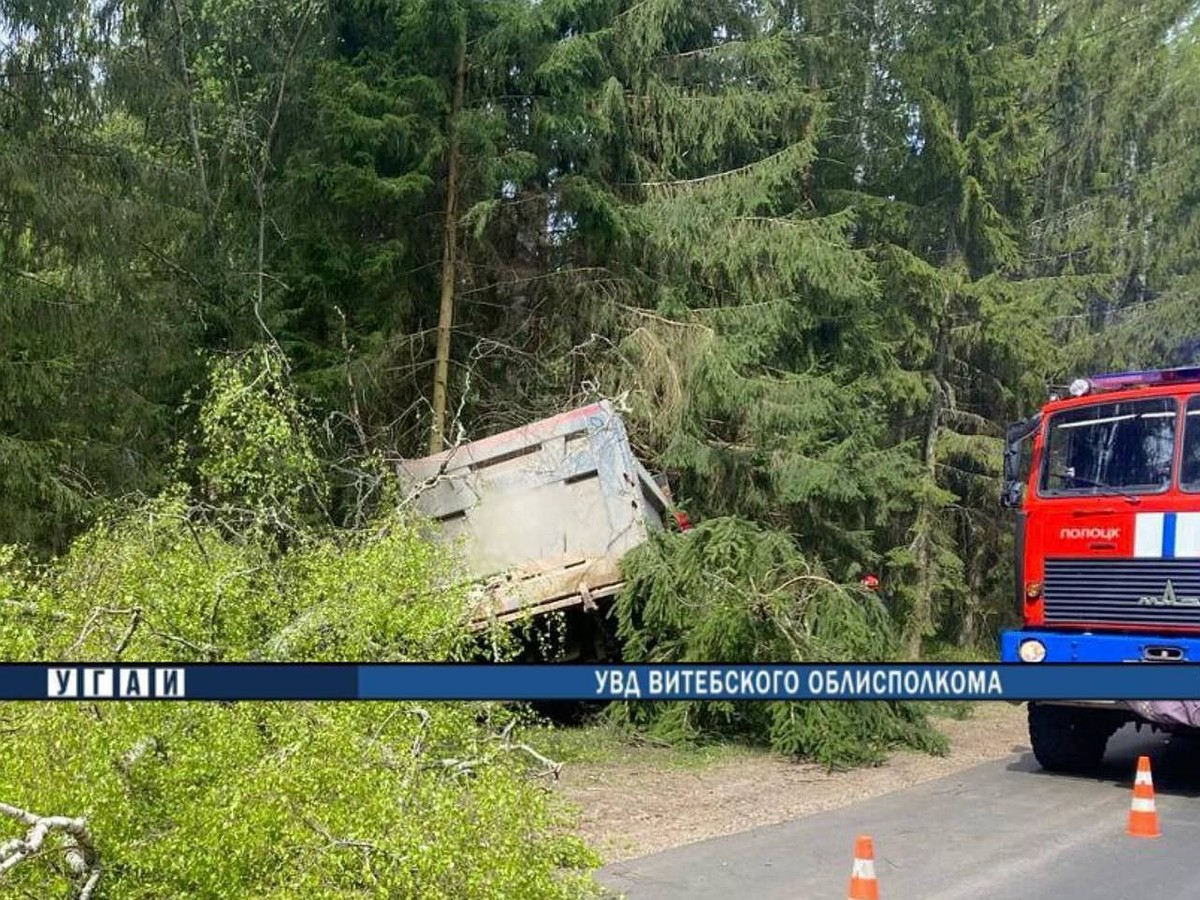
(863, 885)
(1143, 817)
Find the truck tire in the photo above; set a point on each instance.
(1069, 739)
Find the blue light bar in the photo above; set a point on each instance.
(1115, 381)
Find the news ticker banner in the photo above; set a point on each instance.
(579, 682)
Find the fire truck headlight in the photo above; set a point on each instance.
(1032, 651)
(1080, 386)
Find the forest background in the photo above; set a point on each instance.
(820, 253)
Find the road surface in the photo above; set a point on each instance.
(999, 831)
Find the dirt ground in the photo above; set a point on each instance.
(635, 805)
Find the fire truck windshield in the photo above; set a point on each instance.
(1119, 447)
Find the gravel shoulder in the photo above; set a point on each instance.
(641, 800)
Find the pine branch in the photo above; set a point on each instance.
(717, 176)
(712, 48)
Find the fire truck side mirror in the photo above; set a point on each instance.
(1012, 495)
(1014, 488)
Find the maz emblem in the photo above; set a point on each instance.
(1169, 598)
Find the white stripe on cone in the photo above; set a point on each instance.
(863, 868)
(1142, 805)
(1142, 778)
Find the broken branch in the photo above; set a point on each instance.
(80, 851)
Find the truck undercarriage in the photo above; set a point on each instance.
(1072, 736)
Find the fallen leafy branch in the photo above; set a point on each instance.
(80, 851)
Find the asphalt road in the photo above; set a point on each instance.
(1003, 830)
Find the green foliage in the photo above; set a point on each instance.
(267, 800)
(254, 443)
(91, 346)
(256, 799)
(729, 591)
(824, 251)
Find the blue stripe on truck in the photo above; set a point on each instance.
(1095, 648)
(1168, 535)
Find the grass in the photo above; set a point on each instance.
(950, 709)
(944, 652)
(600, 742)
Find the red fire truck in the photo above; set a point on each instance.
(1107, 547)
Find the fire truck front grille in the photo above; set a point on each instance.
(1147, 592)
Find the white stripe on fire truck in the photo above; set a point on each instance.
(1166, 535)
(1187, 534)
(1148, 534)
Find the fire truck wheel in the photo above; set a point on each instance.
(1069, 739)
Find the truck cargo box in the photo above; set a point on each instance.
(543, 513)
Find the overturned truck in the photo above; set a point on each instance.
(544, 513)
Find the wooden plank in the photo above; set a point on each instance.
(565, 587)
(482, 619)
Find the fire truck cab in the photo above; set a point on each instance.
(1107, 547)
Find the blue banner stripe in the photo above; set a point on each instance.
(426, 682)
(1168, 535)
